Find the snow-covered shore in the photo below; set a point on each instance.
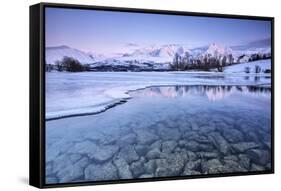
(240, 68)
(70, 94)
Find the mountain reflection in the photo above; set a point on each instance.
(213, 93)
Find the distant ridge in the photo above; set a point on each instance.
(57, 47)
(56, 53)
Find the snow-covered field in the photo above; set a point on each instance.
(69, 94)
(240, 68)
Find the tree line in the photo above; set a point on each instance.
(204, 62)
(68, 64)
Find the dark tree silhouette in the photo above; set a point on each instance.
(176, 62)
(247, 69)
(71, 65)
(257, 69)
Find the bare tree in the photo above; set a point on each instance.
(222, 64)
(59, 65)
(257, 69)
(71, 65)
(247, 69)
(185, 61)
(230, 59)
(176, 62)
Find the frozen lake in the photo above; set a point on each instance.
(72, 94)
(167, 130)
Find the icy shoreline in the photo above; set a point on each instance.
(76, 94)
(120, 95)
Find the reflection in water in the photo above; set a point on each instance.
(213, 93)
(257, 78)
(250, 78)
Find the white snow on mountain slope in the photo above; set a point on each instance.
(158, 54)
(216, 50)
(97, 57)
(57, 53)
(121, 63)
(141, 58)
(195, 52)
(240, 68)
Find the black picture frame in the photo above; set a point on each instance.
(37, 93)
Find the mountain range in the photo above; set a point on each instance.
(158, 56)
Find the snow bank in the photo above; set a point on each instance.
(240, 68)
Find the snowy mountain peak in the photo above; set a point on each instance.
(172, 49)
(167, 51)
(216, 50)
